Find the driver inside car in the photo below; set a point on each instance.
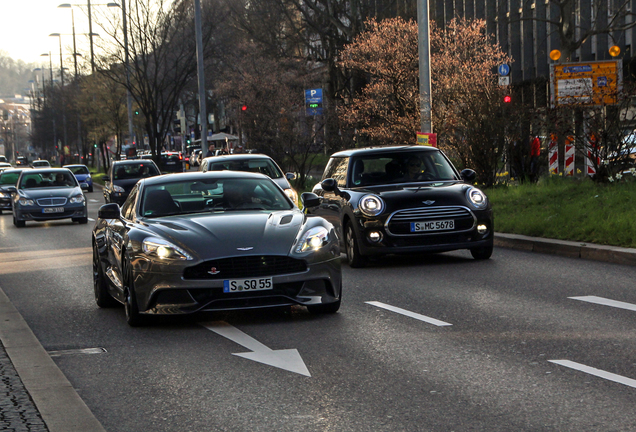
(414, 169)
(239, 194)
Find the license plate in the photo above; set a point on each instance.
(432, 226)
(242, 285)
(53, 210)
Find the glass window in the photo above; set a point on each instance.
(49, 179)
(10, 178)
(128, 209)
(79, 170)
(337, 170)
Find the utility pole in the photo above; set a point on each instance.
(201, 74)
(424, 50)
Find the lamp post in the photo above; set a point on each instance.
(59, 36)
(126, 65)
(50, 64)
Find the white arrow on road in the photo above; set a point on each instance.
(288, 359)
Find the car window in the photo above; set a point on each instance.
(262, 166)
(212, 195)
(10, 178)
(52, 179)
(132, 171)
(79, 170)
(337, 169)
(128, 208)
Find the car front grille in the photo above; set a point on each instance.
(244, 267)
(51, 202)
(399, 223)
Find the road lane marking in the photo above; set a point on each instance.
(92, 200)
(409, 314)
(287, 359)
(596, 372)
(606, 302)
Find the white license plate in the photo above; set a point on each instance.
(242, 285)
(432, 226)
(53, 210)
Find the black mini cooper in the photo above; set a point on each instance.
(410, 199)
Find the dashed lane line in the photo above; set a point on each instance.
(409, 314)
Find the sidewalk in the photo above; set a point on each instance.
(37, 397)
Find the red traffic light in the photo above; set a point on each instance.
(244, 108)
(507, 99)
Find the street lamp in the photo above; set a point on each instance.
(59, 36)
(50, 64)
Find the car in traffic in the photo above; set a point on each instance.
(21, 161)
(48, 194)
(40, 164)
(194, 159)
(403, 200)
(213, 241)
(123, 175)
(5, 166)
(3, 158)
(83, 176)
(8, 180)
(252, 163)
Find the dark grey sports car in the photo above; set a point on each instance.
(396, 200)
(213, 241)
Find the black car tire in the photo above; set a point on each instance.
(324, 308)
(482, 253)
(18, 223)
(81, 221)
(133, 317)
(354, 258)
(90, 188)
(100, 286)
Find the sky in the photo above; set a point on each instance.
(25, 26)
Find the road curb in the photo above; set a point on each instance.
(56, 400)
(589, 251)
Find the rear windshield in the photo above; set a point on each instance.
(132, 171)
(263, 166)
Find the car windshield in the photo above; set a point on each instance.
(79, 170)
(133, 171)
(9, 178)
(40, 164)
(263, 166)
(52, 179)
(399, 167)
(212, 195)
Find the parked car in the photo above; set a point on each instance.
(8, 180)
(213, 241)
(252, 163)
(83, 176)
(123, 175)
(40, 164)
(403, 200)
(48, 194)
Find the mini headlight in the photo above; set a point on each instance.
(26, 202)
(313, 239)
(293, 195)
(476, 198)
(164, 249)
(118, 188)
(78, 199)
(371, 205)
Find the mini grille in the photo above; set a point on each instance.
(245, 267)
(51, 201)
(399, 222)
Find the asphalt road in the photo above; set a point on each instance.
(498, 345)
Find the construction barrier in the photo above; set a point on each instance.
(569, 160)
(553, 155)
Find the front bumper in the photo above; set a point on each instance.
(36, 213)
(5, 203)
(161, 293)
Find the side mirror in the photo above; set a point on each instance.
(109, 211)
(106, 178)
(290, 176)
(309, 199)
(468, 175)
(330, 185)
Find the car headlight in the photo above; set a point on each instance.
(476, 198)
(164, 249)
(293, 195)
(77, 199)
(371, 205)
(26, 202)
(118, 188)
(5, 195)
(313, 239)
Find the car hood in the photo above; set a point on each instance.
(50, 192)
(222, 234)
(413, 195)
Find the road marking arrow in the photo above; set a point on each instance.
(596, 372)
(606, 302)
(288, 359)
(409, 314)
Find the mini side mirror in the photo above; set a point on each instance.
(468, 175)
(109, 211)
(330, 185)
(290, 176)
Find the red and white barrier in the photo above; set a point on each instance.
(553, 157)
(569, 160)
(589, 166)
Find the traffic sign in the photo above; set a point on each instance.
(504, 80)
(313, 102)
(503, 69)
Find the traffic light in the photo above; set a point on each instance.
(136, 112)
(507, 99)
(244, 107)
(188, 141)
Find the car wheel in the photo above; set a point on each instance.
(90, 188)
(100, 286)
(81, 221)
(18, 223)
(324, 308)
(353, 252)
(133, 317)
(482, 253)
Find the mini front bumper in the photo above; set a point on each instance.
(168, 293)
(37, 213)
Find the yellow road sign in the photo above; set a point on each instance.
(586, 83)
